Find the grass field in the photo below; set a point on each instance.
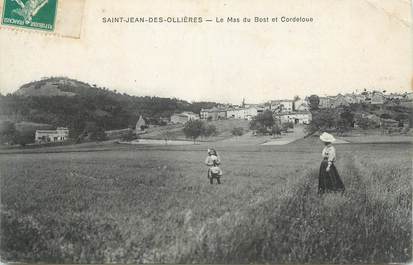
(175, 131)
(154, 204)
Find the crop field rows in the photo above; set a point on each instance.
(155, 204)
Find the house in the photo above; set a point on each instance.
(283, 105)
(244, 113)
(140, 124)
(338, 101)
(300, 105)
(184, 117)
(324, 103)
(236, 113)
(360, 98)
(377, 98)
(61, 134)
(298, 117)
(394, 96)
(350, 98)
(354, 98)
(213, 114)
(409, 96)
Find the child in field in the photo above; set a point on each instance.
(214, 172)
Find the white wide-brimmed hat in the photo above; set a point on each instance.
(326, 137)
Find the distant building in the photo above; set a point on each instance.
(324, 103)
(409, 96)
(213, 114)
(377, 98)
(299, 117)
(283, 105)
(184, 117)
(338, 101)
(61, 134)
(350, 98)
(236, 113)
(394, 96)
(140, 124)
(300, 105)
(246, 113)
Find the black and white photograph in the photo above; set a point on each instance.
(206, 132)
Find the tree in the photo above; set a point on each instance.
(342, 127)
(95, 132)
(345, 122)
(98, 135)
(313, 102)
(263, 120)
(276, 131)
(168, 135)
(7, 132)
(365, 123)
(285, 126)
(193, 129)
(322, 120)
(209, 130)
(23, 138)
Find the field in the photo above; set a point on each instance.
(136, 204)
(175, 131)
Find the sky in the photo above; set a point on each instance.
(350, 45)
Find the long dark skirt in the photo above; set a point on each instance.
(329, 181)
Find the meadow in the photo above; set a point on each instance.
(154, 204)
(175, 132)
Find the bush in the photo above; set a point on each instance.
(130, 136)
(237, 131)
(193, 129)
(264, 119)
(98, 135)
(285, 127)
(210, 130)
(275, 130)
(7, 132)
(23, 138)
(365, 123)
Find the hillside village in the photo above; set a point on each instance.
(297, 111)
(342, 112)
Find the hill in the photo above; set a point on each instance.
(46, 88)
(61, 101)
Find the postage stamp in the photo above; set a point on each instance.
(34, 14)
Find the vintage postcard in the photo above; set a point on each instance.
(212, 132)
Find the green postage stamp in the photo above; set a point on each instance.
(33, 14)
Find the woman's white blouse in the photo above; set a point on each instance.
(329, 153)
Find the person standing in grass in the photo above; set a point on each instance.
(328, 178)
(213, 161)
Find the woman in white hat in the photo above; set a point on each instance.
(328, 178)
